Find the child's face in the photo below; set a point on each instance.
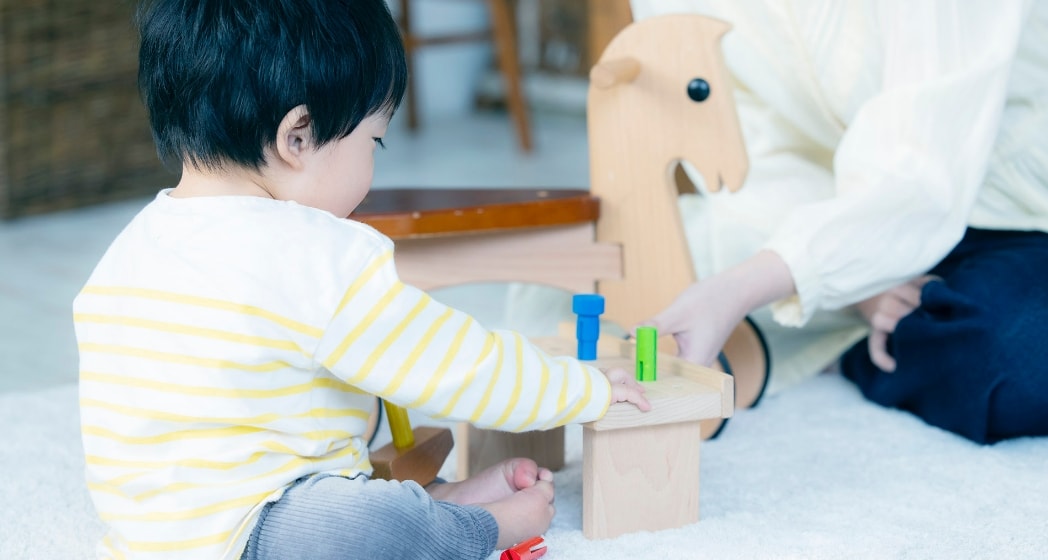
(342, 170)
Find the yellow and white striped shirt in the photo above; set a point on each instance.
(231, 345)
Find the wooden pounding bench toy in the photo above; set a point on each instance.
(640, 470)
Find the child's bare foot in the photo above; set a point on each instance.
(525, 514)
(493, 483)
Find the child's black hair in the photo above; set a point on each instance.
(218, 76)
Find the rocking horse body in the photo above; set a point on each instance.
(661, 95)
(651, 107)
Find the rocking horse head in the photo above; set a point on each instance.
(662, 83)
(660, 94)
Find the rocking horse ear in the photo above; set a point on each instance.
(614, 72)
(717, 28)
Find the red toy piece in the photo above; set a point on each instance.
(530, 549)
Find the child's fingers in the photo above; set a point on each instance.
(626, 388)
(619, 376)
(635, 395)
(616, 375)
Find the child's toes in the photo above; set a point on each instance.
(523, 473)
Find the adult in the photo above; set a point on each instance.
(898, 187)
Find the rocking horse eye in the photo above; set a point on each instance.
(698, 90)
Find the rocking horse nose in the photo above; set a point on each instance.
(698, 90)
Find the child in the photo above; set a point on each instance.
(234, 334)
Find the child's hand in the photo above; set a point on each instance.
(625, 388)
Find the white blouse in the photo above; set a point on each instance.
(877, 132)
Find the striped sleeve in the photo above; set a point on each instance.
(395, 341)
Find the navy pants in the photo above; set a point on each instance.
(973, 358)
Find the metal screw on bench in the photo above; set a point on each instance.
(589, 308)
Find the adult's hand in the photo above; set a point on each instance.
(884, 311)
(704, 315)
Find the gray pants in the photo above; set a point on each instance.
(328, 517)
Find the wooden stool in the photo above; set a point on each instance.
(503, 35)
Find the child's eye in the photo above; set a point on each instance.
(380, 143)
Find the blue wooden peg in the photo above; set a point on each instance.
(588, 308)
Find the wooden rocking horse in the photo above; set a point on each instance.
(659, 95)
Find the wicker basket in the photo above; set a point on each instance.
(73, 130)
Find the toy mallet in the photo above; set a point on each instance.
(414, 454)
(531, 549)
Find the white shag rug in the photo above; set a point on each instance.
(813, 472)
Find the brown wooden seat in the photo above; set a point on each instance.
(452, 236)
(405, 213)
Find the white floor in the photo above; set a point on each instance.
(815, 472)
(44, 260)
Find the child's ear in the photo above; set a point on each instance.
(294, 137)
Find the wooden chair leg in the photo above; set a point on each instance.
(410, 43)
(509, 65)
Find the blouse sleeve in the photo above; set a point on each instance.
(393, 340)
(909, 166)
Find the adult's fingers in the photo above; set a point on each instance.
(699, 350)
(909, 293)
(877, 343)
(884, 322)
(686, 350)
(890, 311)
(673, 319)
(897, 306)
